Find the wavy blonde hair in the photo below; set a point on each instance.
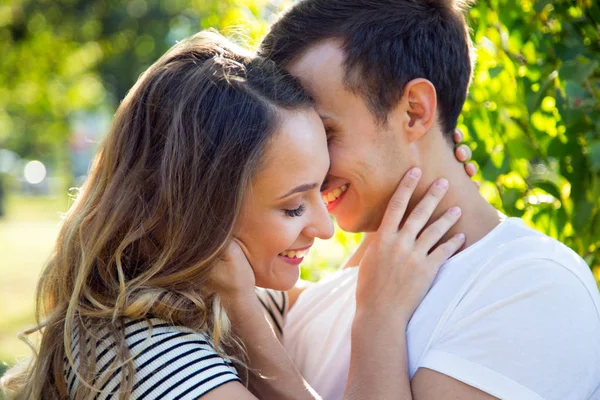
(156, 212)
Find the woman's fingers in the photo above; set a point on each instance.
(471, 169)
(399, 201)
(434, 232)
(463, 153)
(421, 214)
(446, 250)
(458, 136)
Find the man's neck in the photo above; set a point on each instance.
(478, 216)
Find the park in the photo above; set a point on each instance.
(531, 118)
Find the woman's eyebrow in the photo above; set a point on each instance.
(302, 188)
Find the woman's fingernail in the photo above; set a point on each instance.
(462, 152)
(415, 173)
(460, 236)
(442, 183)
(455, 210)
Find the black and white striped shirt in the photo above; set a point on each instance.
(171, 362)
(275, 304)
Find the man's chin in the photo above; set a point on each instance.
(356, 224)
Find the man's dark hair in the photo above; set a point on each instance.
(387, 43)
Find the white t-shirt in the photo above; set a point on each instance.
(516, 315)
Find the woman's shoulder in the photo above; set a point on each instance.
(169, 361)
(156, 329)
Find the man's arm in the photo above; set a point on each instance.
(427, 384)
(383, 366)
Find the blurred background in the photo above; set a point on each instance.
(532, 116)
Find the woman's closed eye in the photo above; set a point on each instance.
(329, 133)
(296, 212)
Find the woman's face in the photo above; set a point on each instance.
(283, 211)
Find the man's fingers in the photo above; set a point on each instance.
(434, 232)
(421, 214)
(399, 201)
(446, 250)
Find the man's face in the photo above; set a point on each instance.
(367, 159)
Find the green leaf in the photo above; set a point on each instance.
(577, 70)
(594, 155)
(574, 90)
(494, 72)
(490, 171)
(540, 5)
(583, 211)
(557, 148)
(550, 188)
(567, 51)
(534, 99)
(594, 12)
(520, 148)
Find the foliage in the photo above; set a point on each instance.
(59, 57)
(533, 112)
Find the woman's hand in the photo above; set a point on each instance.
(463, 153)
(399, 266)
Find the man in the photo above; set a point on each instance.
(515, 315)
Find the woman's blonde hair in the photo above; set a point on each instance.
(156, 212)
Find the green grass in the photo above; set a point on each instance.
(27, 235)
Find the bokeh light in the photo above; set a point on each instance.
(35, 172)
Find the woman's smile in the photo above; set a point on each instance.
(296, 256)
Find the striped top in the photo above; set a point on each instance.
(170, 361)
(275, 304)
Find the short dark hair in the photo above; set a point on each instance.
(387, 43)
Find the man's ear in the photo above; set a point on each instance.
(420, 101)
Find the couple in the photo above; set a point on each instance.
(211, 182)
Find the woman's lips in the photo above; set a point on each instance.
(293, 261)
(296, 256)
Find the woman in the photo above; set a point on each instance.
(213, 164)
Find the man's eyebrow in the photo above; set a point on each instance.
(301, 188)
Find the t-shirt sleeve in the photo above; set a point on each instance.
(530, 330)
(275, 304)
(181, 367)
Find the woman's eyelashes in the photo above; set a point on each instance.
(329, 134)
(296, 212)
(323, 186)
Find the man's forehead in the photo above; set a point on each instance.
(319, 64)
(320, 71)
